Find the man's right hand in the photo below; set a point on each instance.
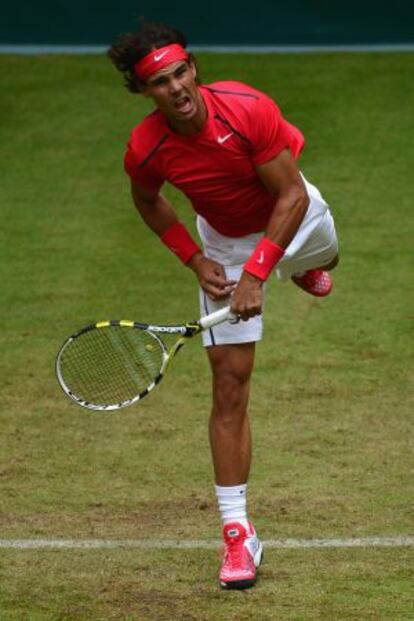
(212, 277)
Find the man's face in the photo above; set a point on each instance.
(175, 92)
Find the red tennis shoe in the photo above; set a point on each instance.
(243, 554)
(315, 282)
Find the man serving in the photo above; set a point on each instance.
(228, 148)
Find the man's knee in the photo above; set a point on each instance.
(230, 391)
(231, 367)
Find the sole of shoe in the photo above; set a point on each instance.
(238, 584)
(245, 584)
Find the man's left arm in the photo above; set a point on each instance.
(282, 179)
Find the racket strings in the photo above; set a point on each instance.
(111, 365)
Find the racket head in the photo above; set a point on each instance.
(110, 365)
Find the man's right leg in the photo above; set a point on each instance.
(230, 441)
(229, 428)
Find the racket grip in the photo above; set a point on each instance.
(223, 314)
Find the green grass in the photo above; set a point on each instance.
(331, 404)
(130, 585)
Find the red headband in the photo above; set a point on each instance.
(158, 59)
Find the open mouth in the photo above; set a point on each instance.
(183, 104)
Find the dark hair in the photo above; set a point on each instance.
(131, 47)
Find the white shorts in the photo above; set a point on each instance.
(314, 245)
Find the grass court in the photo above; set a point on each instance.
(331, 404)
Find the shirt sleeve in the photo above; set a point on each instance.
(269, 132)
(141, 171)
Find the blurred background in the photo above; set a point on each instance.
(268, 23)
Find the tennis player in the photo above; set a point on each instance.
(228, 148)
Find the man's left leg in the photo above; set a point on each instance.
(230, 441)
(313, 251)
(317, 280)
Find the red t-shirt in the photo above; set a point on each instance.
(215, 168)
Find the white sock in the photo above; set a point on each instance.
(232, 503)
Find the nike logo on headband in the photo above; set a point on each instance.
(158, 57)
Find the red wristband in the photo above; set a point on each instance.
(180, 242)
(264, 258)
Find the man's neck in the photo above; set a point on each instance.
(194, 125)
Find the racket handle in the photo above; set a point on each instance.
(223, 314)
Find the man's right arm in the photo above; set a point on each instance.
(157, 213)
(160, 216)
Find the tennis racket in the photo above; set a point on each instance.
(110, 365)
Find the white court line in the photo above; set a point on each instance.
(171, 544)
(222, 49)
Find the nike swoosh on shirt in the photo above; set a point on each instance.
(222, 139)
(158, 57)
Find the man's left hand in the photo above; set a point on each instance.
(247, 299)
